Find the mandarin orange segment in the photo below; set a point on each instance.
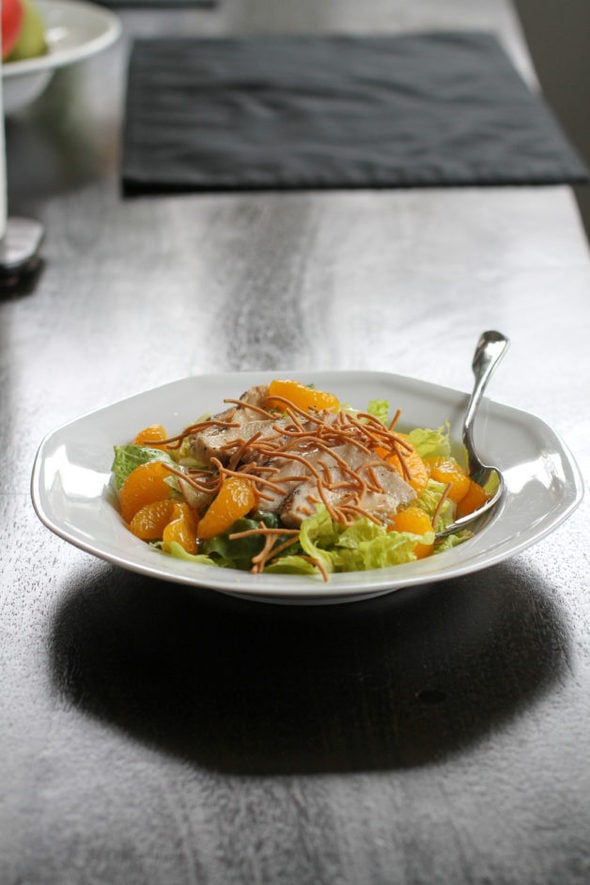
(235, 498)
(183, 528)
(449, 472)
(143, 485)
(474, 499)
(151, 436)
(413, 469)
(300, 395)
(417, 522)
(151, 520)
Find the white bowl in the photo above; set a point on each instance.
(74, 31)
(72, 496)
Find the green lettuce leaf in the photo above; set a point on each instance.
(379, 408)
(450, 541)
(127, 458)
(429, 499)
(292, 565)
(431, 443)
(359, 547)
(238, 552)
(173, 548)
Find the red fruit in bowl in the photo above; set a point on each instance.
(12, 17)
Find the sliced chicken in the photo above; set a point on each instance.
(301, 462)
(378, 489)
(233, 428)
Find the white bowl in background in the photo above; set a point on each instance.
(74, 31)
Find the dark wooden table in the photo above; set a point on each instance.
(153, 733)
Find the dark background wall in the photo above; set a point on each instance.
(558, 37)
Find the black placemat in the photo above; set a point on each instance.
(429, 109)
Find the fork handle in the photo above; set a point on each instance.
(490, 349)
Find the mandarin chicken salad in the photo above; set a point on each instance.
(289, 479)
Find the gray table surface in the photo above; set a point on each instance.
(157, 734)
